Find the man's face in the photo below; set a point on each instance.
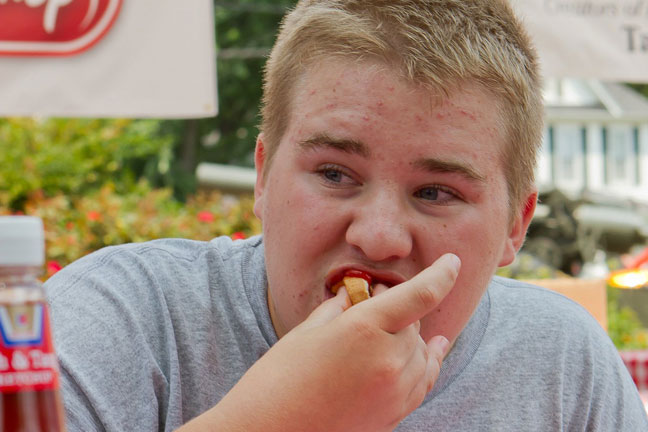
(377, 175)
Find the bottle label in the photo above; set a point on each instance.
(27, 357)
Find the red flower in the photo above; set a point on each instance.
(238, 235)
(53, 267)
(205, 216)
(93, 216)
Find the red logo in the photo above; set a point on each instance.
(54, 27)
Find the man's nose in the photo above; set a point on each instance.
(380, 228)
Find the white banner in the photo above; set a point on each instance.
(107, 58)
(601, 39)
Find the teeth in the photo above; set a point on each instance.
(357, 288)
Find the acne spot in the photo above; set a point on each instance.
(419, 119)
(381, 103)
(440, 116)
(331, 106)
(470, 115)
(313, 92)
(391, 88)
(365, 118)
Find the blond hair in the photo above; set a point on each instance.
(437, 44)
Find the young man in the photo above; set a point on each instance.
(398, 139)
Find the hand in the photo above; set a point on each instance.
(345, 369)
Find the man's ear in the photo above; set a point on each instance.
(519, 227)
(259, 164)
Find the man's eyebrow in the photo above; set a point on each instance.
(327, 141)
(446, 166)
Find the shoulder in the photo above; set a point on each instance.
(536, 303)
(543, 323)
(154, 262)
(559, 341)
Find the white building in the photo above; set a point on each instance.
(596, 140)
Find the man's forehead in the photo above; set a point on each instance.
(326, 75)
(331, 70)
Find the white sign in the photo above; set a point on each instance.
(107, 58)
(601, 39)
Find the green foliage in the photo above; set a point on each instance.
(76, 226)
(77, 156)
(526, 266)
(247, 33)
(624, 328)
(87, 180)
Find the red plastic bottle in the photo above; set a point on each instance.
(29, 377)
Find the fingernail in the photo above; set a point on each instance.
(454, 261)
(444, 344)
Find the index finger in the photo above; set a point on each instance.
(410, 301)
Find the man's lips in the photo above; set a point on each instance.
(387, 278)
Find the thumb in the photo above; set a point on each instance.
(329, 309)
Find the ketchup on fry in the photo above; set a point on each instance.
(359, 274)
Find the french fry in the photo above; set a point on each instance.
(357, 288)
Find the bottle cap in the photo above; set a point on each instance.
(22, 241)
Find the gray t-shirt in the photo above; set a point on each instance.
(150, 335)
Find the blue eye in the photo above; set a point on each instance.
(436, 194)
(335, 175)
(332, 175)
(431, 194)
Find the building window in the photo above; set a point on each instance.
(568, 156)
(620, 156)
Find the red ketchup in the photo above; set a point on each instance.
(359, 274)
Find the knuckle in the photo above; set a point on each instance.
(388, 372)
(428, 297)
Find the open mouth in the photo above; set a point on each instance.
(370, 277)
(358, 283)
